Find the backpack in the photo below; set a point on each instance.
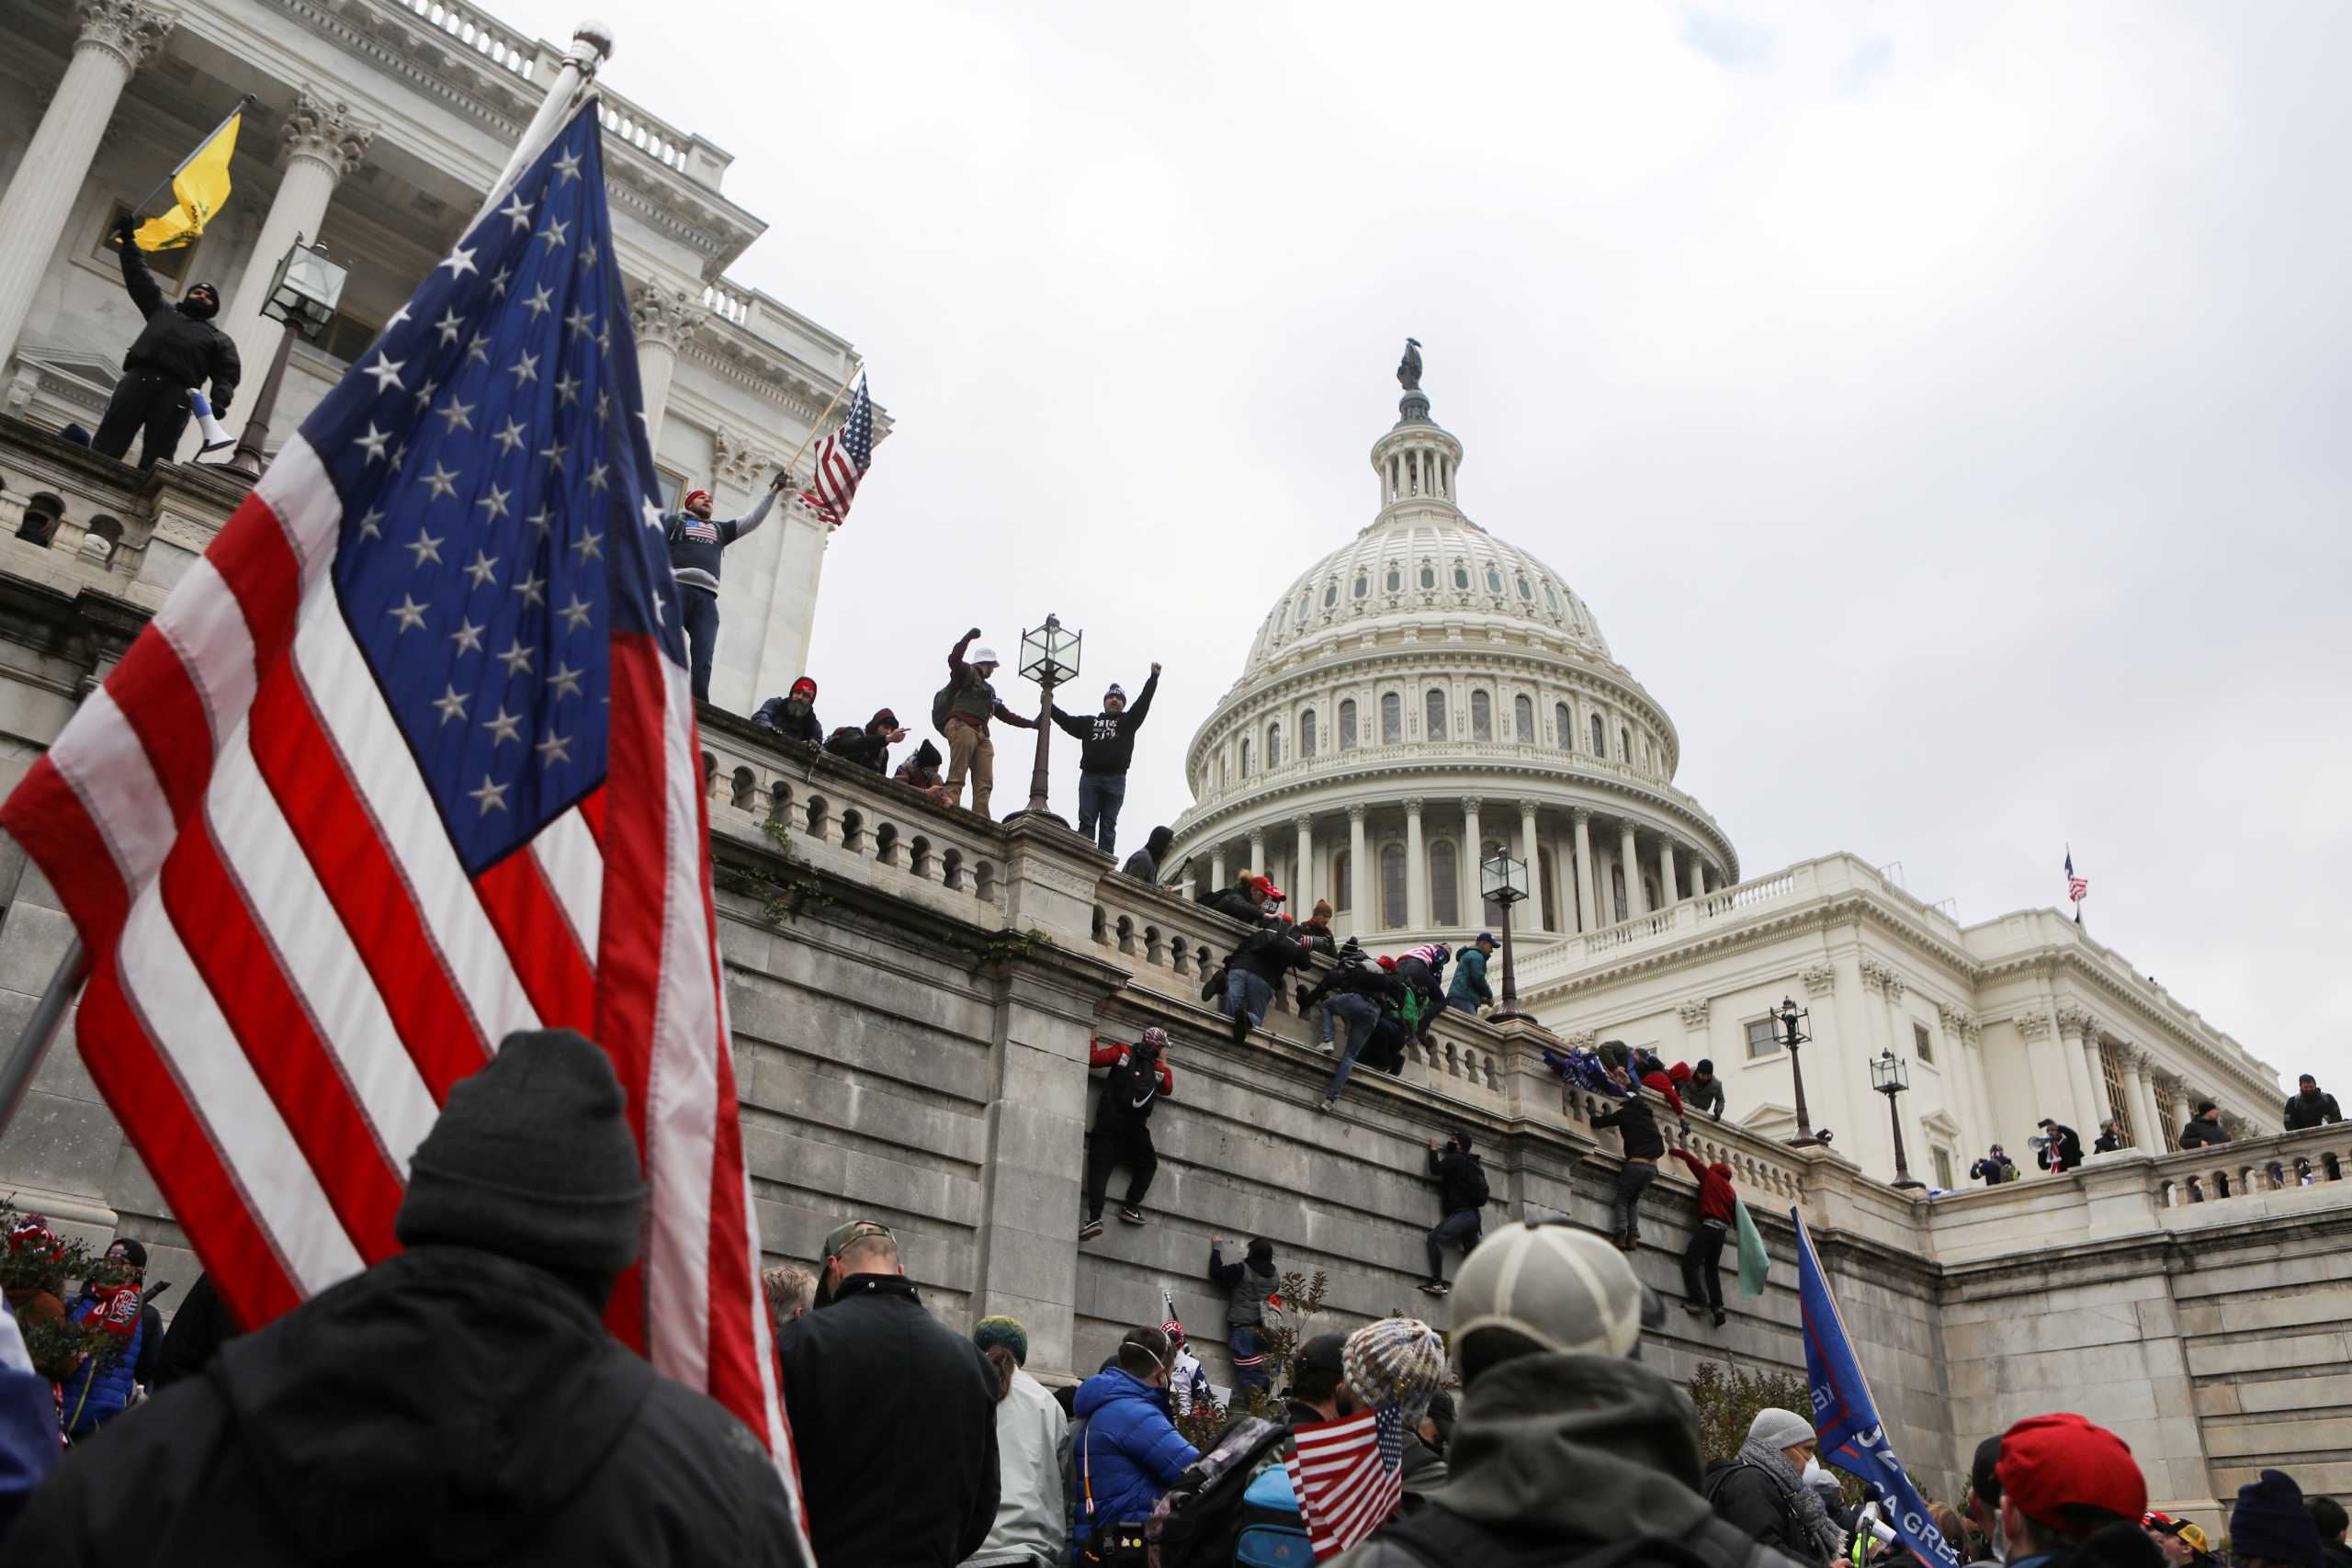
(1444, 1539)
(1473, 1182)
(1200, 1522)
(939, 701)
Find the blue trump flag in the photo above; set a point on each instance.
(1845, 1418)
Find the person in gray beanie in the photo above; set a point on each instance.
(458, 1402)
(1762, 1490)
(1567, 1445)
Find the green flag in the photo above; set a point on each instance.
(1755, 1263)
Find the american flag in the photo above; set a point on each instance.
(2077, 887)
(405, 762)
(843, 458)
(1348, 1476)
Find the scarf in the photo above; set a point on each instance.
(1828, 1540)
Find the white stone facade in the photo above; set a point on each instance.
(1427, 693)
(379, 127)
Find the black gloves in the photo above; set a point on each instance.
(126, 229)
(220, 401)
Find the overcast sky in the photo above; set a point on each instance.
(1943, 409)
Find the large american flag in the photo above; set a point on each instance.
(1348, 1476)
(843, 458)
(405, 762)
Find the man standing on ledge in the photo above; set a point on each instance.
(176, 351)
(969, 702)
(695, 543)
(1107, 746)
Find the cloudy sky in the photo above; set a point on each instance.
(1943, 409)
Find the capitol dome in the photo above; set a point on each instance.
(1424, 695)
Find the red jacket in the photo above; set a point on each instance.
(1665, 1086)
(1102, 1056)
(1715, 1194)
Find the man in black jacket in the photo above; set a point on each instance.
(1108, 746)
(893, 1414)
(869, 747)
(2309, 1107)
(1138, 1076)
(1637, 1131)
(2205, 1128)
(1255, 973)
(461, 1401)
(1460, 1197)
(2061, 1148)
(177, 351)
(793, 715)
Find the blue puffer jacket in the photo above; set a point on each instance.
(89, 1404)
(1131, 1452)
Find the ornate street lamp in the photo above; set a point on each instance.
(1791, 1022)
(303, 293)
(1049, 656)
(1504, 881)
(1890, 1078)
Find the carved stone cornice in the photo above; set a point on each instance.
(128, 30)
(1821, 980)
(1582, 1040)
(325, 131)
(664, 316)
(1694, 1012)
(2032, 1025)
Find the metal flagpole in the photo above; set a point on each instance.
(242, 105)
(855, 372)
(24, 1056)
(591, 45)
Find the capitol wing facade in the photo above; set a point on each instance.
(1429, 694)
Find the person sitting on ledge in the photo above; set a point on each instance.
(794, 716)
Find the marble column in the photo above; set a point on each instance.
(117, 37)
(2147, 1130)
(1474, 838)
(1417, 869)
(325, 141)
(1302, 866)
(2074, 1023)
(1668, 892)
(1629, 859)
(1358, 876)
(1216, 868)
(2102, 1101)
(1527, 849)
(665, 317)
(1587, 880)
(1698, 876)
(1258, 852)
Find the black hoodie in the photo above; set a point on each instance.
(447, 1406)
(1108, 739)
(178, 343)
(1145, 864)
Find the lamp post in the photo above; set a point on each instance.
(1049, 656)
(1504, 881)
(302, 295)
(1790, 1020)
(1890, 1078)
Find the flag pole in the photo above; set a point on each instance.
(855, 370)
(178, 169)
(24, 1056)
(591, 45)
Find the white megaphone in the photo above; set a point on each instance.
(216, 434)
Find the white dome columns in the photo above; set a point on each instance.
(1417, 869)
(1358, 899)
(1588, 878)
(1302, 895)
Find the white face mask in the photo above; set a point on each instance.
(1814, 1474)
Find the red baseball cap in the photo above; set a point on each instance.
(2050, 1462)
(1266, 885)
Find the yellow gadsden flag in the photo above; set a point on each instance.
(201, 186)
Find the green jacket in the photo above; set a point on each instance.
(1470, 979)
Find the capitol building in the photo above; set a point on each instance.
(1429, 694)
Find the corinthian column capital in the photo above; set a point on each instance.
(326, 132)
(131, 31)
(664, 315)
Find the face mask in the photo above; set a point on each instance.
(1814, 1475)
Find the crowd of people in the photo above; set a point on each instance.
(2058, 1148)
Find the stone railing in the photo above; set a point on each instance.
(726, 301)
(110, 529)
(478, 31)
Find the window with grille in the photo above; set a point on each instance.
(1274, 744)
(1523, 712)
(1391, 718)
(1348, 725)
(1763, 1038)
(2168, 1120)
(1433, 714)
(1428, 577)
(1624, 744)
(1564, 727)
(1392, 886)
(1306, 733)
(1923, 1042)
(1481, 717)
(1245, 759)
(2110, 1068)
(1445, 884)
(1599, 747)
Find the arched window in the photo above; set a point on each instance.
(1395, 580)
(1523, 712)
(1551, 600)
(1330, 595)
(1481, 717)
(1245, 757)
(1524, 591)
(1342, 894)
(1600, 746)
(1445, 885)
(1391, 718)
(1546, 885)
(1273, 745)
(1564, 727)
(1461, 577)
(1364, 584)
(1494, 580)
(1428, 575)
(1488, 910)
(1392, 886)
(1306, 733)
(1624, 744)
(1617, 888)
(1433, 713)
(1348, 725)
(1303, 598)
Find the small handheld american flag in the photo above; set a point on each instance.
(1348, 1476)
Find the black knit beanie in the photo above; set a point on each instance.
(532, 1159)
(2271, 1521)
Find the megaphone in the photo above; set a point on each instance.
(216, 434)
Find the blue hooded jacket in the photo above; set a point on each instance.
(95, 1394)
(1130, 1452)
